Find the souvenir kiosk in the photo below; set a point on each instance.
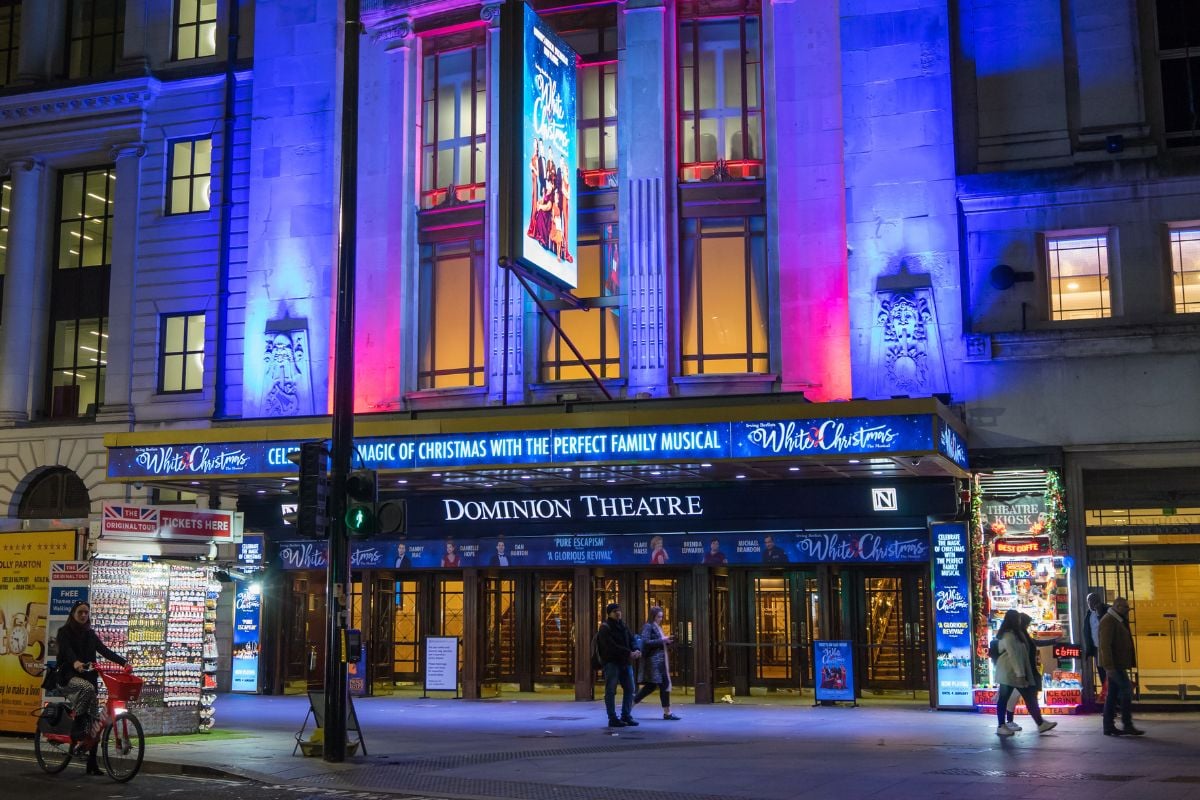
(1019, 526)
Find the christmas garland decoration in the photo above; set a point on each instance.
(1056, 511)
(978, 566)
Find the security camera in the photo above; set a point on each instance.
(139, 485)
(916, 462)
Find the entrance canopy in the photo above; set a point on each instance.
(641, 442)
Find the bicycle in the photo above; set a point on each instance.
(122, 744)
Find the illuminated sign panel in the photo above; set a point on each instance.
(952, 615)
(541, 147)
(698, 441)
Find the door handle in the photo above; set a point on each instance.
(1187, 641)
(1171, 633)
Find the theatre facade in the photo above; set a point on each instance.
(759, 527)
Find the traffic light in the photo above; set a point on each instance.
(311, 517)
(362, 495)
(391, 516)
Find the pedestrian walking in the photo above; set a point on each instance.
(617, 656)
(1013, 673)
(1115, 654)
(1015, 698)
(1097, 608)
(656, 662)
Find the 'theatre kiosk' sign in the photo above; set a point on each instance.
(538, 146)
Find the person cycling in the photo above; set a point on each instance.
(78, 645)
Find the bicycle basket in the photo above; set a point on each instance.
(122, 685)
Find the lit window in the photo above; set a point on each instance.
(1178, 34)
(80, 357)
(85, 218)
(195, 29)
(1185, 269)
(723, 292)
(191, 176)
(597, 106)
(1078, 277)
(720, 99)
(454, 127)
(451, 315)
(10, 39)
(97, 35)
(181, 362)
(595, 332)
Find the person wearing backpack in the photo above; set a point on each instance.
(1014, 673)
(617, 654)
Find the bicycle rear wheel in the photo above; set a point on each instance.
(123, 747)
(53, 750)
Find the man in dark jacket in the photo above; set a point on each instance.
(615, 643)
(1116, 655)
(1097, 608)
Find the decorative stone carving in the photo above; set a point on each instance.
(906, 349)
(490, 13)
(287, 373)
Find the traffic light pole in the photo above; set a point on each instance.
(338, 574)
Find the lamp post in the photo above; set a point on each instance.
(338, 574)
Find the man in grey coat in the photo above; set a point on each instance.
(1116, 656)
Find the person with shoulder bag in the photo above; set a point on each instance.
(655, 663)
(1014, 673)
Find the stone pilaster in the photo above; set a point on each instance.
(126, 212)
(26, 289)
(645, 91)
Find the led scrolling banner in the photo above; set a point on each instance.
(910, 434)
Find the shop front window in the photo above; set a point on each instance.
(723, 290)
(454, 127)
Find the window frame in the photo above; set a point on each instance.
(188, 318)
(190, 177)
(602, 307)
(1161, 57)
(754, 235)
(434, 193)
(1109, 308)
(595, 54)
(92, 70)
(694, 16)
(10, 51)
(1179, 275)
(199, 26)
(475, 369)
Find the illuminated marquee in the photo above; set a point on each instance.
(699, 441)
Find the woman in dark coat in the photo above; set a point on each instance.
(78, 645)
(656, 664)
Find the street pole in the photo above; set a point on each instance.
(338, 574)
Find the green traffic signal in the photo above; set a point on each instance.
(362, 494)
(358, 518)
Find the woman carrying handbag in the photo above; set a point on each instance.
(656, 663)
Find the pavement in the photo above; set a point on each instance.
(757, 747)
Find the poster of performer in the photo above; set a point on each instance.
(548, 145)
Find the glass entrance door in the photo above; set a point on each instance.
(892, 632)
(499, 621)
(786, 613)
(555, 650)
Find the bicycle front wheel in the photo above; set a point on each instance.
(53, 750)
(123, 747)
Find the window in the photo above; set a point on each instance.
(1179, 70)
(1185, 269)
(181, 359)
(454, 125)
(195, 29)
(191, 176)
(79, 293)
(451, 315)
(597, 106)
(10, 39)
(720, 98)
(1078, 277)
(77, 382)
(595, 332)
(85, 218)
(95, 37)
(723, 290)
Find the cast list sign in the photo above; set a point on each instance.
(952, 615)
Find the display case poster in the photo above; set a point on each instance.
(547, 233)
(25, 560)
(441, 663)
(833, 662)
(952, 615)
(356, 674)
(247, 607)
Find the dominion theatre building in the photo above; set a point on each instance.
(867, 312)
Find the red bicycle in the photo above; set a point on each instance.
(118, 731)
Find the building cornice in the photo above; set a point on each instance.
(74, 102)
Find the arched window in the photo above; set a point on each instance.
(57, 493)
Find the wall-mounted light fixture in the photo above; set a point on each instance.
(1003, 277)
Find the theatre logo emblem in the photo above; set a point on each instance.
(884, 499)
